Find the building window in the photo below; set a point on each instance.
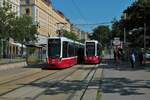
(27, 11)
(27, 2)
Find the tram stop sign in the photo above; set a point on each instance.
(116, 42)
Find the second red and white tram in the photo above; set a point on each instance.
(92, 52)
(63, 52)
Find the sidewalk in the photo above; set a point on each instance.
(9, 60)
(18, 63)
(124, 83)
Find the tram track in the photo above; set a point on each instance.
(83, 80)
(81, 98)
(19, 78)
(7, 92)
(73, 83)
(52, 85)
(2, 94)
(53, 80)
(15, 74)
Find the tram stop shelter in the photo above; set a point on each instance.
(36, 53)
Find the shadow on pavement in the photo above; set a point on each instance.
(42, 65)
(124, 86)
(65, 87)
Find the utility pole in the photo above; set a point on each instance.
(124, 35)
(144, 35)
(144, 42)
(124, 30)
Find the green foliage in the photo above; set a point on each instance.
(82, 40)
(32, 59)
(102, 34)
(70, 35)
(117, 29)
(137, 14)
(6, 20)
(31, 51)
(24, 30)
(20, 28)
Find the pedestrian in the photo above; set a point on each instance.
(117, 56)
(132, 57)
(114, 56)
(121, 54)
(141, 56)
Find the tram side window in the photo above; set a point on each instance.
(65, 49)
(70, 50)
(76, 49)
(73, 49)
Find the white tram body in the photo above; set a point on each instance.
(63, 52)
(92, 52)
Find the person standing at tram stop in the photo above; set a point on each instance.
(116, 55)
(141, 56)
(132, 57)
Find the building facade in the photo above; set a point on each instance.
(15, 5)
(76, 30)
(47, 19)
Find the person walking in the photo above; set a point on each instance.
(132, 58)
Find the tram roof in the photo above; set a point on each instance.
(66, 39)
(92, 41)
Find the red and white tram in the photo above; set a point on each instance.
(92, 52)
(63, 52)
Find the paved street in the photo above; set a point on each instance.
(74, 83)
(123, 83)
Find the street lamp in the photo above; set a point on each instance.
(124, 30)
(60, 27)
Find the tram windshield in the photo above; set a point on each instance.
(90, 49)
(54, 46)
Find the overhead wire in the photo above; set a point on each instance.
(93, 24)
(79, 11)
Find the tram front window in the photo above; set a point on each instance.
(54, 48)
(90, 49)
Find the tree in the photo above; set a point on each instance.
(102, 34)
(70, 35)
(6, 19)
(137, 14)
(24, 31)
(117, 29)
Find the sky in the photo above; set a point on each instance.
(87, 14)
